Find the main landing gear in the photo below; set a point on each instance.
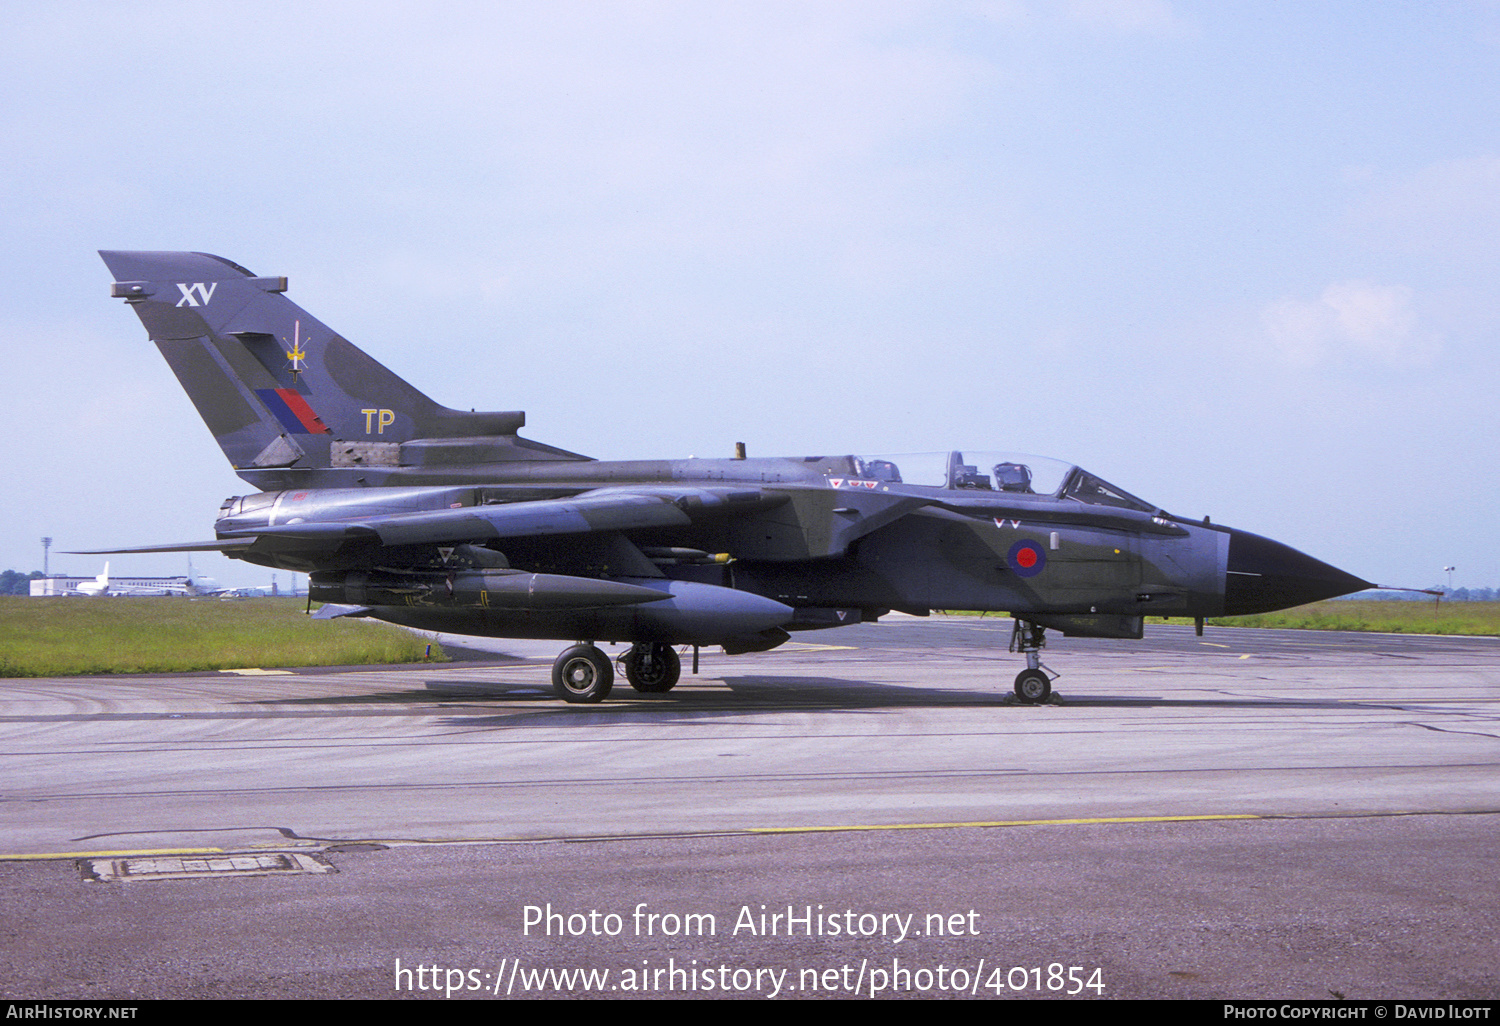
(652, 668)
(583, 675)
(1033, 684)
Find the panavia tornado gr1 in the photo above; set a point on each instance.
(443, 520)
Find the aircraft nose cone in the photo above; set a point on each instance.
(1265, 575)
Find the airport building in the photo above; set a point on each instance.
(190, 584)
(117, 586)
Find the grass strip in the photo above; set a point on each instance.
(1375, 616)
(1390, 617)
(63, 637)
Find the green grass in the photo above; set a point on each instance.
(1478, 618)
(1382, 617)
(54, 637)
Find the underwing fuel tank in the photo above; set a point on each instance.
(676, 612)
(520, 605)
(477, 589)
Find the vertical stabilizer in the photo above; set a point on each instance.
(291, 403)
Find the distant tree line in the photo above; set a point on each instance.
(13, 582)
(1473, 595)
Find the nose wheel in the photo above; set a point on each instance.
(1033, 687)
(1033, 684)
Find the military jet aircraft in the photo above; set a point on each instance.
(411, 512)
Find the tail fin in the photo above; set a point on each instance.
(291, 403)
(98, 586)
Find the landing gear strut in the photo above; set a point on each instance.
(582, 674)
(1033, 684)
(652, 668)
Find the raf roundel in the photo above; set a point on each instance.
(1026, 558)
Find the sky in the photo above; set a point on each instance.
(1237, 257)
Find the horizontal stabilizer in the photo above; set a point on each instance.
(219, 545)
(333, 612)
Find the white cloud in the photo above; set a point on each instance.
(1352, 321)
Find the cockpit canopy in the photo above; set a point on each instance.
(1015, 473)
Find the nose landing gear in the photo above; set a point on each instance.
(1033, 684)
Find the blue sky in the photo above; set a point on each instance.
(1239, 258)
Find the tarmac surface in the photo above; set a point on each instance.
(865, 811)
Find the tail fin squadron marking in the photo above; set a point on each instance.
(295, 356)
(197, 294)
(293, 411)
(254, 364)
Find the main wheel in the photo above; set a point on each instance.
(1033, 687)
(582, 674)
(653, 669)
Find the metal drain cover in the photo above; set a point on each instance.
(189, 867)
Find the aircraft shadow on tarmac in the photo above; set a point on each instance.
(755, 695)
(747, 694)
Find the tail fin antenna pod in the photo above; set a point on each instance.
(291, 403)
